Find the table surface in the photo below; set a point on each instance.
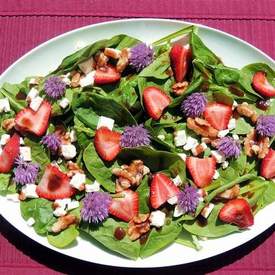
(26, 24)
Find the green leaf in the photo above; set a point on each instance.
(6, 187)
(41, 211)
(87, 116)
(185, 238)
(101, 171)
(64, 238)
(271, 108)
(143, 195)
(159, 239)
(242, 127)
(239, 164)
(104, 234)
(226, 75)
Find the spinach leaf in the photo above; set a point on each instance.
(185, 238)
(271, 108)
(64, 238)
(159, 239)
(143, 194)
(101, 171)
(104, 234)
(41, 211)
(242, 127)
(87, 116)
(6, 187)
(226, 75)
(269, 194)
(239, 164)
(83, 133)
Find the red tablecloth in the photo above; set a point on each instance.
(25, 24)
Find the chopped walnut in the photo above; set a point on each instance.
(112, 53)
(73, 169)
(64, 222)
(138, 226)
(8, 124)
(22, 196)
(180, 87)
(75, 80)
(245, 110)
(123, 60)
(254, 146)
(229, 194)
(101, 60)
(198, 149)
(129, 175)
(202, 127)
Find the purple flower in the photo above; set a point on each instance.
(229, 147)
(141, 56)
(95, 207)
(188, 199)
(52, 142)
(25, 172)
(134, 136)
(194, 105)
(54, 87)
(266, 126)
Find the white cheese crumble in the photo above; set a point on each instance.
(236, 137)
(216, 174)
(4, 105)
(94, 187)
(190, 143)
(29, 190)
(104, 121)
(33, 93)
(173, 200)
(218, 156)
(30, 222)
(4, 139)
(178, 211)
(206, 211)
(65, 78)
(21, 141)
(68, 151)
(59, 212)
(64, 103)
(223, 133)
(179, 138)
(232, 124)
(25, 153)
(157, 218)
(182, 156)
(225, 164)
(73, 137)
(87, 80)
(177, 180)
(78, 180)
(87, 66)
(35, 103)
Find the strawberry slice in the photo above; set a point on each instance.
(238, 212)
(268, 165)
(54, 184)
(106, 75)
(34, 122)
(9, 154)
(155, 101)
(126, 207)
(261, 85)
(180, 57)
(218, 115)
(162, 189)
(107, 143)
(202, 170)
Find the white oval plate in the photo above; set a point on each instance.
(47, 56)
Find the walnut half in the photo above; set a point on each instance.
(201, 127)
(245, 110)
(64, 222)
(138, 226)
(180, 87)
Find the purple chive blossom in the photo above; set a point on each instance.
(229, 147)
(266, 126)
(194, 105)
(54, 87)
(52, 142)
(25, 172)
(95, 207)
(134, 136)
(188, 199)
(141, 56)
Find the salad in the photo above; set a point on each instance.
(139, 146)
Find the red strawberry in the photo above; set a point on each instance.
(9, 154)
(106, 75)
(180, 57)
(54, 184)
(155, 101)
(107, 143)
(202, 170)
(261, 85)
(238, 212)
(218, 115)
(162, 189)
(268, 165)
(126, 207)
(34, 122)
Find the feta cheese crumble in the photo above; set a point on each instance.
(64, 103)
(104, 121)
(33, 93)
(25, 153)
(78, 181)
(4, 139)
(29, 190)
(177, 180)
(35, 103)
(218, 156)
(87, 80)
(30, 222)
(157, 218)
(206, 211)
(190, 143)
(94, 187)
(179, 138)
(68, 151)
(4, 105)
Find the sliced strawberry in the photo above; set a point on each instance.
(238, 212)
(126, 207)
(107, 143)
(34, 122)
(202, 170)
(261, 85)
(180, 57)
(54, 184)
(106, 75)
(155, 101)
(9, 154)
(162, 189)
(218, 115)
(268, 165)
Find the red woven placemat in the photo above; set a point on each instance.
(25, 24)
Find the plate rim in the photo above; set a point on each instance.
(63, 35)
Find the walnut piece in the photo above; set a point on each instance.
(198, 150)
(64, 222)
(201, 127)
(245, 110)
(264, 147)
(229, 194)
(101, 60)
(112, 53)
(130, 175)
(75, 80)
(138, 226)
(73, 169)
(8, 124)
(180, 87)
(123, 60)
